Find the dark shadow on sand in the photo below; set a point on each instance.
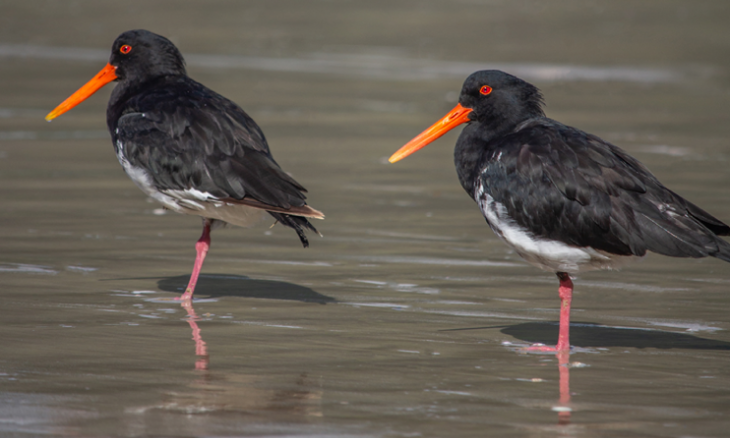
(222, 285)
(586, 334)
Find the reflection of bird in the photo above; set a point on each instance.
(188, 147)
(565, 200)
(296, 398)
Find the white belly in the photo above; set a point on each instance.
(549, 255)
(192, 201)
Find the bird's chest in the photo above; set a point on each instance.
(138, 174)
(494, 212)
(142, 178)
(548, 254)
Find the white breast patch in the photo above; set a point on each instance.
(550, 255)
(191, 201)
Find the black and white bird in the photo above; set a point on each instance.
(565, 200)
(188, 147)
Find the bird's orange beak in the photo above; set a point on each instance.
(106, 75)
(454, 118)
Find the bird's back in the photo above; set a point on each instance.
(196, 151)
(560, 184)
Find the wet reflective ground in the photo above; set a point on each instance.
(406, 319)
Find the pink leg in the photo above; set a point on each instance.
(566, 295)
(562, 350)
(201, 249)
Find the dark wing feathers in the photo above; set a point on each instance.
(188, 137)
(553, 178)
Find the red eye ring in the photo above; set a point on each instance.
(125, 49)
(486, 89)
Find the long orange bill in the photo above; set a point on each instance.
(454, 118)
(106, 75)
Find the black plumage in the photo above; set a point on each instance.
(187, 146)
(562, 184)
(186, 136)
(565, 200)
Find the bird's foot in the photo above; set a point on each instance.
(548, 349)
(187, 296)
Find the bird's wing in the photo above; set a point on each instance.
(199, 143)
(563, 184)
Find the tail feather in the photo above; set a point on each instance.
(712, 223)
(302, 210)
(723, 250)
(298, 223)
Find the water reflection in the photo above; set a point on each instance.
(201, 350)
(590, 338)
(563, 407)
(211, 392)
(600, 336)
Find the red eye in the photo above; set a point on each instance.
(486, 89)
(125, 49)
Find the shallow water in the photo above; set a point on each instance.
(407, 317)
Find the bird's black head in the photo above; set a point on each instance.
(137, 56)
(498, 98)
(140, 55)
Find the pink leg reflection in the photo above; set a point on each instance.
(563, 407)
(201, 350)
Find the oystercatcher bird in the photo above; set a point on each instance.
(566, 201)
(188, 147)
